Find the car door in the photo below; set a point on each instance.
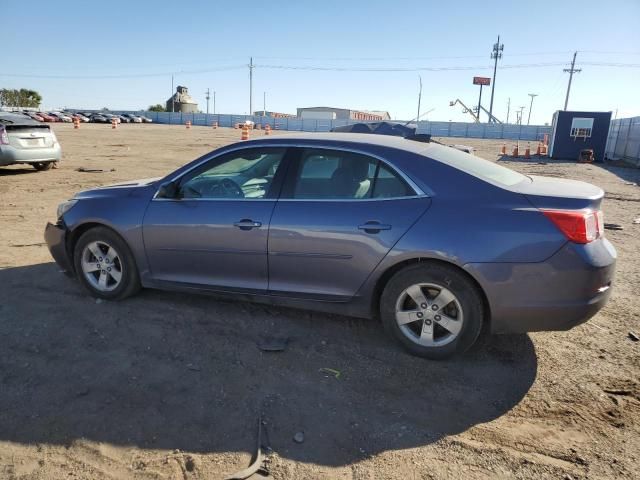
(339, 214)
(212, 230)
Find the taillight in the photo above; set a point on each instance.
(578, 226)
(4, 138)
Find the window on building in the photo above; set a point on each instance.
(581, 127)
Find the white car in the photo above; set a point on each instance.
(62, 117)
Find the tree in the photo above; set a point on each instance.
(156, 108)
(20, 98)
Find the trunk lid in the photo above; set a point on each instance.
(561, 193)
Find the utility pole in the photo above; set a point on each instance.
(520, 115)
(508, 109)
(532, 95)
(264, 104)
(419, 97)
(173, 103)
(571, 71)
(480, 103)
(214, 102)
(251, 86)
(496, 54)
(207, 97)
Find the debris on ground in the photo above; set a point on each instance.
(637, 220)
(272, 344)
(634, 336)
(613, 226)
(335, 373)
(258, 465)
(93, 170)
(38, 244)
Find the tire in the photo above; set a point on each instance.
(111, 253)
(42, 166)
(431, 330)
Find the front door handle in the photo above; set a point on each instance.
(247, 224)
(374, 227)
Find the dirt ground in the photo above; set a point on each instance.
(170, 386)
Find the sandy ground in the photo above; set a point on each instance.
(170, 386)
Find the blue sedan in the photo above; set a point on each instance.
(433, 241)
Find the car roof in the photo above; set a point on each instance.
(388, 141)
(16, 119)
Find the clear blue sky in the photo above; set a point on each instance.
(79, 39)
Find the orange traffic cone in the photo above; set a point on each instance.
(539, 150)
(188, 123)
(245, 132)
(527, 152)
(267, 129)
(515, 150)
(214, 125)
(114, 123)
(76, 123)
(503, 150)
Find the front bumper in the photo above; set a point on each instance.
(564, 291)
(56, 238)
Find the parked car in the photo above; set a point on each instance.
(23, 140)
(61, 117)
(47, 118)
(133, 118)
(110, 117)
(34, 116)
(77, 116)
(146, 119)
(99, 118)
(123, 118)
(434, 241)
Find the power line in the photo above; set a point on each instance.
(314, 68)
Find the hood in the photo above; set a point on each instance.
(120, 189)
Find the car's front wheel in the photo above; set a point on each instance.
(105, 265)
(433, 310)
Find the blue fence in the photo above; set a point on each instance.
(437, 129)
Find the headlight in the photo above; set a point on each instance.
(64, 207)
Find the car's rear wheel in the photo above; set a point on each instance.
(105, 265)
(41, 166)
(433, 310)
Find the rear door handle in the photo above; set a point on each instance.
(374, 227)
(247, 224)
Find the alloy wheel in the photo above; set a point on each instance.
(429, 315)
(101, 266)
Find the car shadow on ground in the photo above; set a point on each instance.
(6, 171)
(176, 371)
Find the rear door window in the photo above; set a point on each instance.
(324, 174)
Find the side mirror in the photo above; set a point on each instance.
(168, 190)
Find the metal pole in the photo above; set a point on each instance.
(214, 102)
(173, 107)
(419, 97)
(571, 71)
(264, 104)
(508, 109)
(251, 86)
(496, 54)
(479, 103)
(532, 95)
(207, 101)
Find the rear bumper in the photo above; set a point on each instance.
(56, 238)
(558, 294)
(10, 155)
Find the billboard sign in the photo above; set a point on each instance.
(481, 81)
